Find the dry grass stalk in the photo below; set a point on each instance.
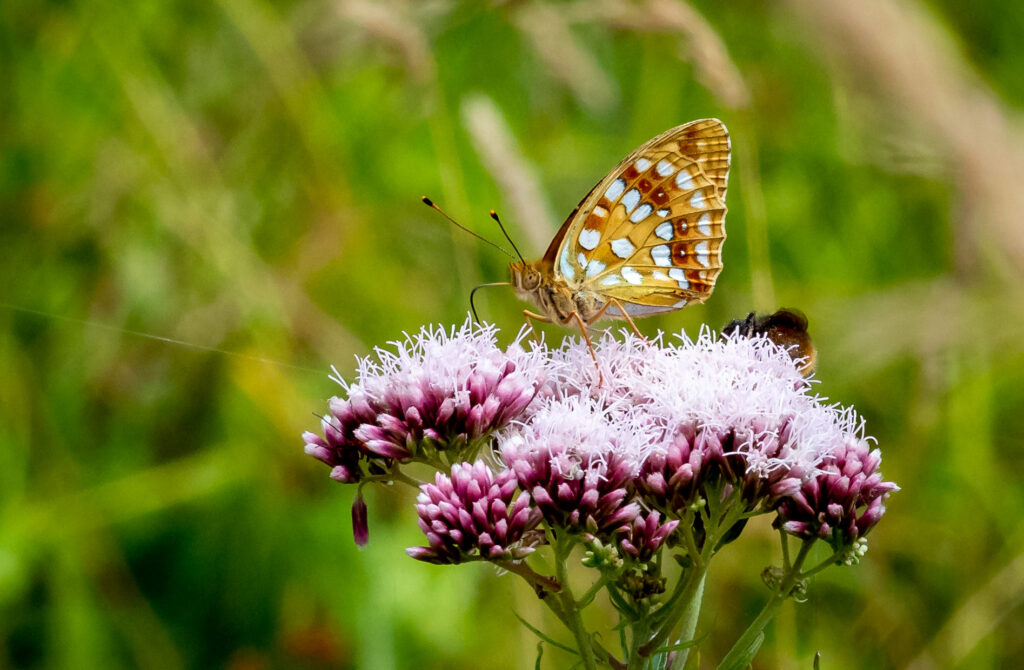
(386, 23)
(702, 46)
(899, 51)
(505, 162)
(549, 33)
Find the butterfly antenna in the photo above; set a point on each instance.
(430, 203)
(494, 215)
(472, 293)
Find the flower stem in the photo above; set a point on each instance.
(592, 592)
(719, 514)
(641, 630)
(547, 589)
(738, 656)
(399, 476)
(689, 627)
(572, 613)
(540, 583)
(686, 607)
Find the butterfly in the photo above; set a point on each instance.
(646, 239)
(787, 328)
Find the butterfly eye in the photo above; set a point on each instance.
(531, 279)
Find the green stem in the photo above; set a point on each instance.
(574, 620)
(736, 658)
(828, 562)
(544, 586)
(549, 586)
(397, 475)
(784, 539)
(689, 628)
(690, 543)
(719, 515)
(592, 592)
(637, 660)
(688, 604)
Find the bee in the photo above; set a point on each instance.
(787, 328)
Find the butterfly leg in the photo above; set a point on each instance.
(533, 316)
(590, 346)
(530, 318)
(622, 310)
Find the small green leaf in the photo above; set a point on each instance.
(746, 656)
(544, 637)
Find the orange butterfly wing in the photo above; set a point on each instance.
(650, 233)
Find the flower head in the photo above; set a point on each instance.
(843, 502)
(438, 389)
(577, 464)
(732, 409)
(642, 539)
(745, 397)
(348, 461)
(472, 515)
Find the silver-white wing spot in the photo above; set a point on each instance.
(662, 255)
(590, 238)
(697, 200)
(665, 168)
(684, 180)
(565, 266)
(659, 275)
(662, 213)
(610, 280)
(642, 164)
(594, 267)
(581, 259)
(701, 249)
(664, 230)
(622, 247)
(704, 224)
(641, 213)
(632, 276)
(680, 277)
(631, 199)
(615, 190)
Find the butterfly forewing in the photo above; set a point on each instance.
(650, 234)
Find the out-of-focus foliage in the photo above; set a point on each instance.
(205, 204)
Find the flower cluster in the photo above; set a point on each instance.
(617, 454)
(577, 463)
(642, 539)
(843, 502)
(436, 391)
(472, 515)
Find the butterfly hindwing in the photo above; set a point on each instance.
(649, 235)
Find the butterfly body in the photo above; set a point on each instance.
(557, 300)
(647, 238)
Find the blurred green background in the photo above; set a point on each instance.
(203, 205)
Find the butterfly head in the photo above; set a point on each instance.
(558, 303)
(526, 278)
